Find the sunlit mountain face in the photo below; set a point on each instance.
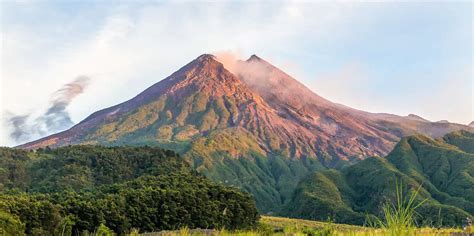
(252, 126)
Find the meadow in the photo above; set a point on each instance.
(271, 225)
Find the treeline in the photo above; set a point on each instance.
(76, 189)
(82, 167)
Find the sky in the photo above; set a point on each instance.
(68, 59)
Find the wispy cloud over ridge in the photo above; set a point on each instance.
(25, 127)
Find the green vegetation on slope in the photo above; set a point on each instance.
(78, 188)
(82, 167)
(200, 128)
(462, 139)
(234, 158)
(443, 172)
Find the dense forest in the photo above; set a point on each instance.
(74, 189)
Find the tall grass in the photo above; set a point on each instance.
(399, 216)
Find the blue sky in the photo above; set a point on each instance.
(401, 58)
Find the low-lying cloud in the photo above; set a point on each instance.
(229, 59)
(26, 127)
(265, 78)
(251, 72)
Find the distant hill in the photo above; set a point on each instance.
(462, 139)
(256, 128)
(416, 117)
(444, 168)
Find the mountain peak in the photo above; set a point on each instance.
(254, 58)
(206, 57)
(204, 64)
(471, 124)
(416, 117)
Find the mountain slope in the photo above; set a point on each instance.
(258, 129)
(444, 172)
(462, 139)
(281, 112)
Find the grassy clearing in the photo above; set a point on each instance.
(295, 227)
(290, 224)
(270, 225)
(307, 227)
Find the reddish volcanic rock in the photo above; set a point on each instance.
(281, 114)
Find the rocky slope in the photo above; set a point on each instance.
(257, 128)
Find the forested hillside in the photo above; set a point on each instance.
(441, 168)
(80, 188)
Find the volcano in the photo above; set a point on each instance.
(256, 128)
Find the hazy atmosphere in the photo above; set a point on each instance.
(62, 60)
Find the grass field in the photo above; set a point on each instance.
(271, 225)
(298, 227)
(290, 223)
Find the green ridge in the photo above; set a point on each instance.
(442, 169)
